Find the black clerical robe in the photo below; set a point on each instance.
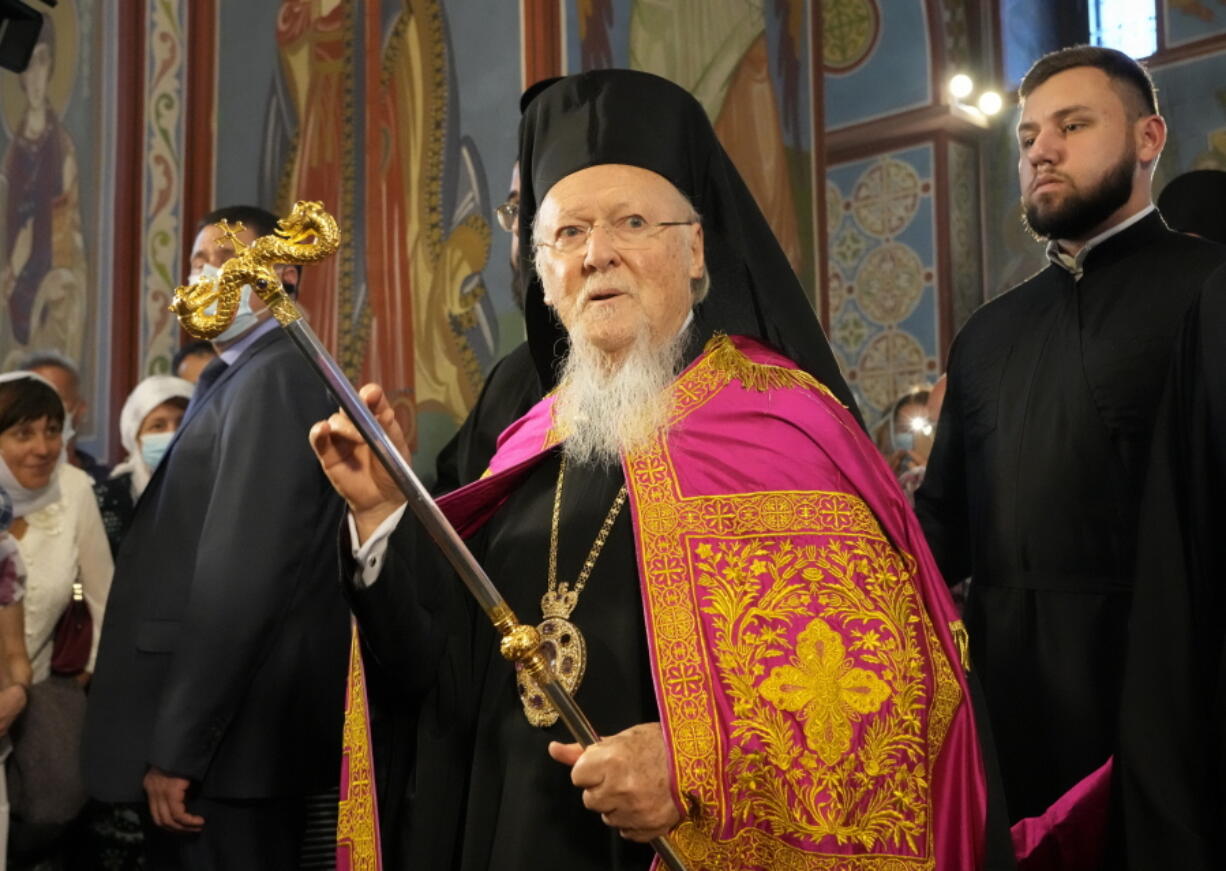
(511, 388)
(1034, 485)
(1171, 764)
(449, 800)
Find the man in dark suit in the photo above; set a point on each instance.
(217, 696)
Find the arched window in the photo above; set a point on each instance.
(1128, 25)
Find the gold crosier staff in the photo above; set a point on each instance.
(309, 235)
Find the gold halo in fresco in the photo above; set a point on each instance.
(63, 21)
(889, 283)
(886, 197)
(849, 32)
(892, 363)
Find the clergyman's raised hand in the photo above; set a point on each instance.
(352, 467)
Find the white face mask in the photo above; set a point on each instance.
(244, 319)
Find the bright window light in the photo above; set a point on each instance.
(1130, 26)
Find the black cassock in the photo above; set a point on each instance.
(1171, 766)
(511, 389)
(465, 781)
(1034, 485)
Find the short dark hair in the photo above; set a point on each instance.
(48, 359)
(260, 221)
(191, 349)
(1119, 67)
(26, 399)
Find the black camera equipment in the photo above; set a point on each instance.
(20, 25)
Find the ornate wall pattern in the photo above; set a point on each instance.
(880, 220)
(162, 188)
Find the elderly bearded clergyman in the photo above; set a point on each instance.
(735, 586)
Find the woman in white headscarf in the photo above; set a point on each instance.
(150, 417)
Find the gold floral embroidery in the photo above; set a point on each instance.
(728, 579)
(825, 687)
(759, 590)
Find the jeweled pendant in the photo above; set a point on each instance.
(564, 647)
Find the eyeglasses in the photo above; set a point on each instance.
(628, 233)
(508, 215)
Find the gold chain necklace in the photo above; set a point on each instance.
(561, 639)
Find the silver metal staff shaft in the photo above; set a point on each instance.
(520, 644)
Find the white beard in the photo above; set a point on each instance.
(606, 410)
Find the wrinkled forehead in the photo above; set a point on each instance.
(607, 188)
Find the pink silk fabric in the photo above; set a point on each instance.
(1071, 834)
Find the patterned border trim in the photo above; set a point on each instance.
(162, 156)
(353, 317)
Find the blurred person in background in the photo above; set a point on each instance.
(64, 375)
(147, 424)
(1195, 203)
(190, 360)
(904, 438)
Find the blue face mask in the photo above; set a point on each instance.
(244, 318)
(904, 441)
(153, 447)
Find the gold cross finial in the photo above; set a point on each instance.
(231, 231)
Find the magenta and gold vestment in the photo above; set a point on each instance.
(806, 656)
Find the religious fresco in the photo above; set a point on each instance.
(44, 276)
(51, 170)
(1192, 97)
(388, 112)
(1189, 21)
(880, 219)
(429, 219)
(315, 40)
(747, 64)
(876, 64)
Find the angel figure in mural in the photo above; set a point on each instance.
(718, 51)
(42, 264)
(433, 329)
(314, 38)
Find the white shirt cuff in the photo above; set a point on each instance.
(369, 555)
